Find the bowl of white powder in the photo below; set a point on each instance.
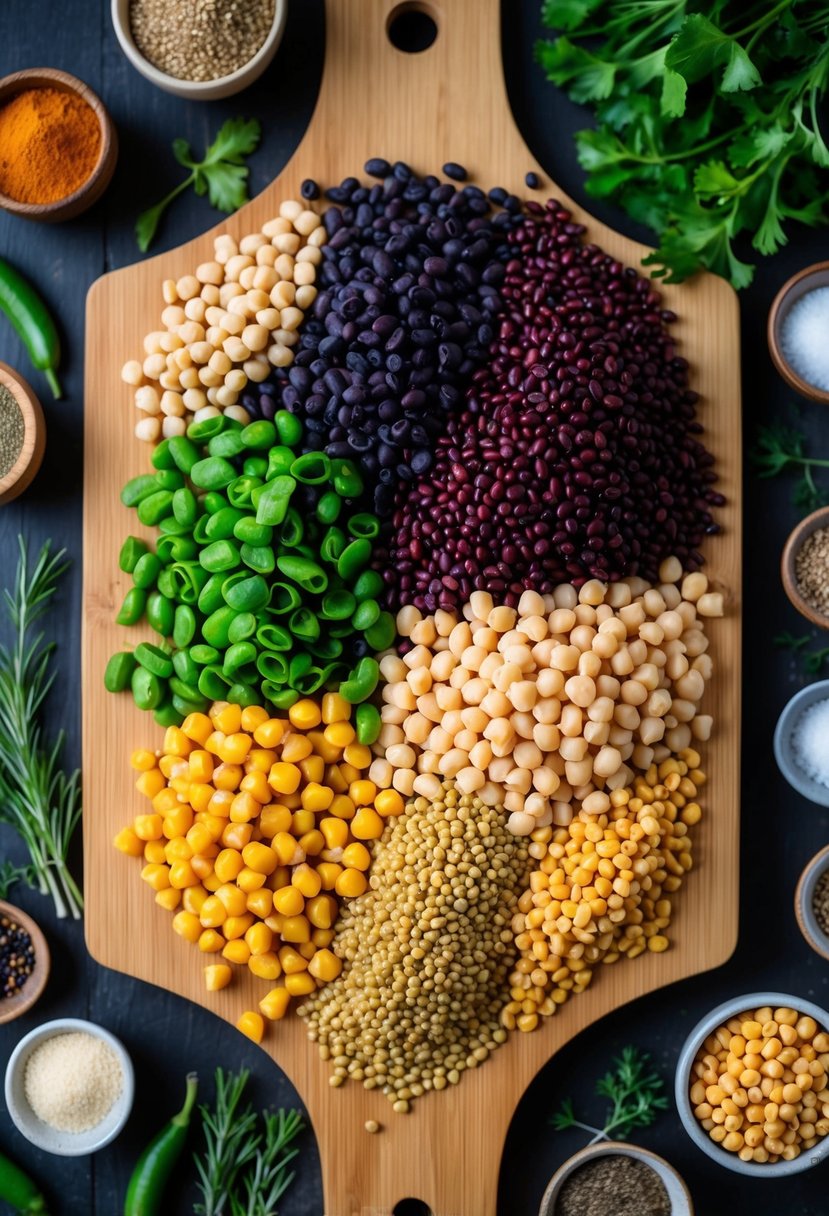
(801, 742)
(797, 329)
(69, 1087)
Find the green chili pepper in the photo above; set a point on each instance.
(338, 605)
(138, 488)
(131, 553)
(160, 613)
(260, 435)
(353, 557)
(32, 321)
(154, 507)
(166, 714)
(362, 681)
(364, 525)
(249, 532)
(184, 453)
(243, 626)
(272, 503)
(147, 689)
(289, 428)
(329, 507)
(368, 586)
(382, 633)
(246, 592)
(367, 723)
(304, 625)
(212, 473)
(145, 1193)
(284, 597)
(367, 614)
(347, 481)
(312, 468)
(18, 1190)
(302, 570)
(147, 570)
(227, 444)
(162, 457)
(280, 460)
(132, 609)
(119, 671)
(274, 637)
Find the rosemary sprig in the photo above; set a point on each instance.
(635, 1094)
(244, 1168)
(37, 798)
(813, 661)
(781, 449)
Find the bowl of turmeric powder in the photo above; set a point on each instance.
(58, 145)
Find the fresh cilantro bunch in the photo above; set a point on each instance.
(707, 119)
(221, 174)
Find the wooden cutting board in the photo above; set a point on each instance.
(446, 103)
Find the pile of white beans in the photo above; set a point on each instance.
(559, 700)
(231, 321)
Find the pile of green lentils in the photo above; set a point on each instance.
(427, 951)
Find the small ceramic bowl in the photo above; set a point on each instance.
(708, 1024)
(12, 1007)
(101, 175)
(28, 462)
(199, 90)
(678, 1193)
(792, 290)
(812, 523)
(66, 1144)
(784, 752)
(803, 897)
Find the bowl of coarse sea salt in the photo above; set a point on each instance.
(797, 329)
(801, 742)
(69, 1087)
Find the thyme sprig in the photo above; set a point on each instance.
(37, 798)
(635, 1092)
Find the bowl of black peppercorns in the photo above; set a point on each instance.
(24, 962)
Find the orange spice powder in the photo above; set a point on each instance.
(49, 145)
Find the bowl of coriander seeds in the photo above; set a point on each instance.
(804, 567)
(22, 434)
(204, 50)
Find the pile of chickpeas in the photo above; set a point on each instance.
(560, 701)
(602, 887)
(759, 1085)
(228, 323)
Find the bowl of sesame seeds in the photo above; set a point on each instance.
(200, 49)
(22, 434)
(24, 962)
(804, 567)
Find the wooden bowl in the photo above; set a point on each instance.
(200, 90)
(101, 175)
(12, 1007)
(678, 1193)
(34, 435)
(812, 523)
(807, 922)
(793, 290)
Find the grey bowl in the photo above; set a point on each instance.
(783, 750)
(681, 1204)
(803, 896)
(66, 1144)
(737, 1005)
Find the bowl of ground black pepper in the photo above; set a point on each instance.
(811, 902)
(58, 145)
(22, 434)
(24, 962)
(200, 49)
(616, 1177)
(804, 567)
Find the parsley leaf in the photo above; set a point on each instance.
(222, 174)
(707, 124)
(635, 1092)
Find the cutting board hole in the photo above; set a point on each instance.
(411, 1207)
(412, 29)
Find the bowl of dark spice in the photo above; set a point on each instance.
(618, 1178)
(58, 145)
(200, 49)
(811, 902)
(797, 325)
(801, 742)
(804, 567)
(24, 962)
(22, 434)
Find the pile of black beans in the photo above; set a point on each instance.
(409, 293)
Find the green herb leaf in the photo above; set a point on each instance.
(635, 1091)
(674, 93)
(587, 77)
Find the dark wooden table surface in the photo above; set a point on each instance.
(165, 1035)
